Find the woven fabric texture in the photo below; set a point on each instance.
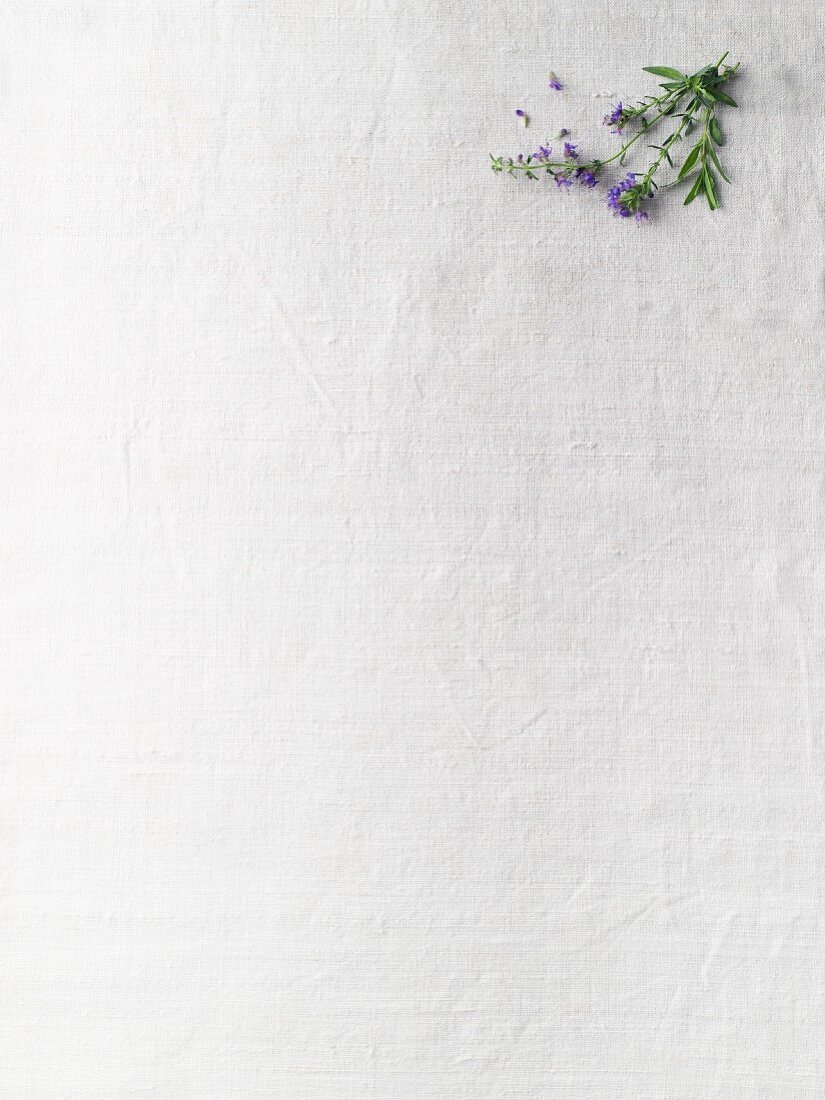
(413, 580)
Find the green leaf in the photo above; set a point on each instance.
(722, 97)
(690, 161)
(716, 132)
(716, 161)
(664, 70)
(698, 185)
(710, 188)
(662, 149)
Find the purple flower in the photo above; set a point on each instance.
(586, 179)
(570, 151)
(614, 195)
(563, 132)
(615, 119)
(563, 181)
(543, 153)
(626, 198)
(555, 83)
(520, 113)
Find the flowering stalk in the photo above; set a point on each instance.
(699, 96)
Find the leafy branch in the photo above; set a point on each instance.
(699, 96)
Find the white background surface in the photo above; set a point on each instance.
(412, 580)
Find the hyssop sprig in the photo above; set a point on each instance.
(692, 100)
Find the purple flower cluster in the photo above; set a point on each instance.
(564, 177)
(615, 193)
(627, 206)
(615, 119)
(584, 176)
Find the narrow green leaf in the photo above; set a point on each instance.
(664, 70)
(716, 132)
(690, 161)
(722, 97)
(718, 164)
(698, 185)
(710, 188)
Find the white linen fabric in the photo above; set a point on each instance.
(413, 580)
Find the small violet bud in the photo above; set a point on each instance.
(614, 119)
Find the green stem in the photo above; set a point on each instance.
(671, 100)
(703, 152)
(640, 111)
(644, 130)
(538, 166)
(669, 142)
